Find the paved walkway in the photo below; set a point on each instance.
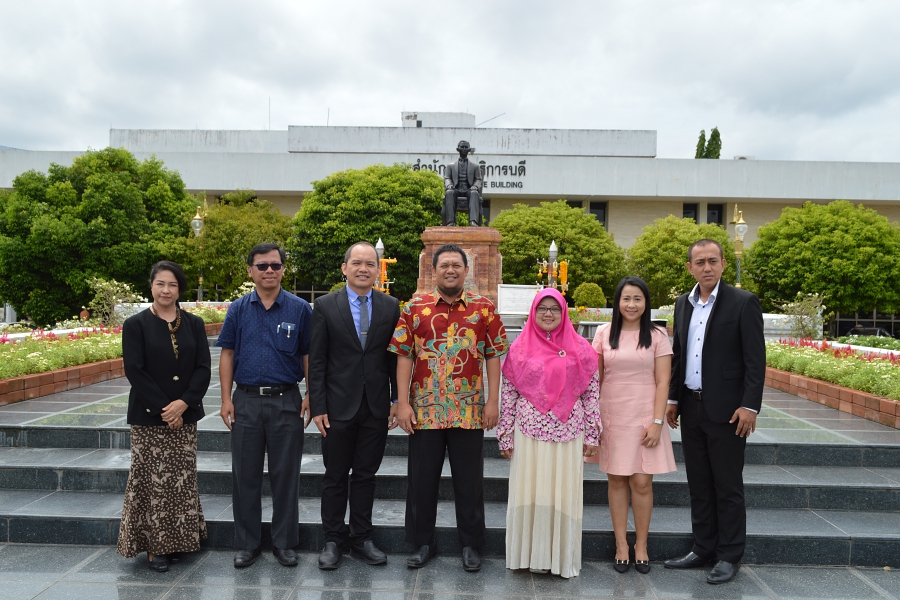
(51, 572)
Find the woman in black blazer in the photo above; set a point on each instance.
(166, 359)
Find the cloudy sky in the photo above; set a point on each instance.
(781, 79)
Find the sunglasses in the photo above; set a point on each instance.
(265, 266)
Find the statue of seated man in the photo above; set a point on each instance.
(462, 188)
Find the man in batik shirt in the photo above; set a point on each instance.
(444, 341)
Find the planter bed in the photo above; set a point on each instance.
(29, 387)
(861, 404)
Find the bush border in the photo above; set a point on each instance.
(29, 387)
(861, 404)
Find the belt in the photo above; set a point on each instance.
(266, 390)
(695, 394)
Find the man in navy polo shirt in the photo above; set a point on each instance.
(265, 348)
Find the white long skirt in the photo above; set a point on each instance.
(543, 518)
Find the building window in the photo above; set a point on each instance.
(689, 212)
(598, 209)
(579, 204)
(715, 213)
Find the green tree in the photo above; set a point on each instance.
(108, 215)
(701, 145)
(848, 254)
(659, 256)
(527, 232)
(590, 295)
(711, 148)
(393, 203)
(232, 226)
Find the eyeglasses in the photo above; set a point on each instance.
(265, 266)
(553, 310)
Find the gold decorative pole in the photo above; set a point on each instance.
(740, 230)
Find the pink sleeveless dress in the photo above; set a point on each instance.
(627, 396)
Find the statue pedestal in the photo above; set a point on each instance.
(481, 247)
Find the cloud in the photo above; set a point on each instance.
(782, 80)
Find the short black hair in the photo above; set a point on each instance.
(350, 249)
(706, 242)
(175, 269)
(264, 249)
(449, 248)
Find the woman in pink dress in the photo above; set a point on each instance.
(635, 367)
(548, 424)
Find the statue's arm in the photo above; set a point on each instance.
(448, 177)
(479, 183)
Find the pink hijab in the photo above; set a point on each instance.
(550, 373)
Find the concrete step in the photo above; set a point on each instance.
(766, 486)
(214, 437)
(775, 536)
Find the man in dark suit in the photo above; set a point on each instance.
(462, 179)
(352, 382)
(718, 372)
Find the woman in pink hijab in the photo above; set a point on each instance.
(549, 421)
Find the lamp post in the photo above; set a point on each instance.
(740, 230)
(197, 228)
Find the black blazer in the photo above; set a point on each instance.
(734, 353)
(338, 364)
(156, 377)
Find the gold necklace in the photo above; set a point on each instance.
(172, 330)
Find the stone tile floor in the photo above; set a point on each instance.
(45, 572)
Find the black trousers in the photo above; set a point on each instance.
(358, 446)
(714, 461)
(426, 460)
(448, 212)
(266, 424)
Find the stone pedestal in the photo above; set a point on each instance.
(481, 245)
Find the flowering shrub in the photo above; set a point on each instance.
(871, 341)
(209, 314)
(47, 352)
(868, 372)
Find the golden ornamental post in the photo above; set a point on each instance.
(740, 230)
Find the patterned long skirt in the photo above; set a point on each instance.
(162, 512)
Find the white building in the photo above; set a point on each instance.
(613, 174)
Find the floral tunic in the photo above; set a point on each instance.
(517, 410)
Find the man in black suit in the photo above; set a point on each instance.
(462, 179)
(718, 373)
(352, 383)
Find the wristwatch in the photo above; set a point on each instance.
(657, 421)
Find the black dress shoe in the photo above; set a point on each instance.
(688, 561)
(369, 552)
(174, 558)
(330, 558)
(723, 572)
(159, 563)
(474, 223)
(245, 558)
(621, 566)
(420, 557)
(287, 557)
(471, 560)
(642, 566)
